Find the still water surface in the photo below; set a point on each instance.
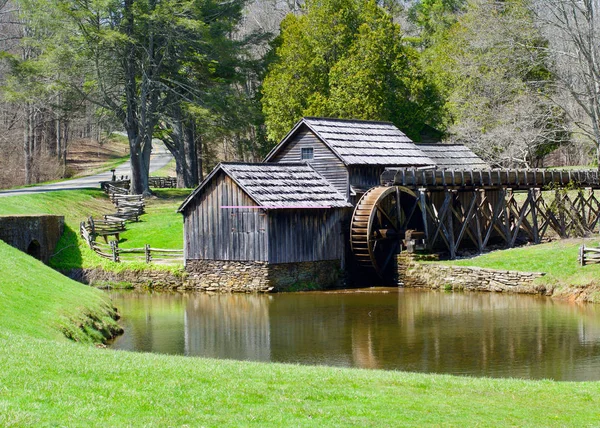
(485, 334)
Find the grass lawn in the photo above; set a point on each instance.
(558, 259)
(39, 302)
(161, 227)
(46, 380)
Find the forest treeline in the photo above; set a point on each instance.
(515, 80)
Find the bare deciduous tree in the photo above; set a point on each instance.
(573, 30)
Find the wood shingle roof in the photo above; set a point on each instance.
(453, 156)
(279, 185)
(360, 142)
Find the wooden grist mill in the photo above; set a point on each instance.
(473, 210)
(343, 197)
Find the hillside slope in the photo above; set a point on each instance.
(39, 302)
(46, 381)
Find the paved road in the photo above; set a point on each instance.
(160, 157)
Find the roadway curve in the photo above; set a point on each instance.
(159, 158)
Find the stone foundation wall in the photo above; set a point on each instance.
(234, 276)
(251, 276)
(223, 276)
(305, 275)
(435, 276)
(158, 279)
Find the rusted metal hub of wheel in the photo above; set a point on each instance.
(379, 224)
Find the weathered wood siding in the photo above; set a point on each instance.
(365, 177)
(215, 233)
(325, 161)
(305, 235)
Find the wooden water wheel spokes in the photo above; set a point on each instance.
(378, 225)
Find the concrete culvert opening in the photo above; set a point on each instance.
(35, 249)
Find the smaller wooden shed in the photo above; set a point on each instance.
(259, 226)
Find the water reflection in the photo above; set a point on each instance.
(483, 334)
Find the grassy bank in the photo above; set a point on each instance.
(45, 380)
(45, 383)
(161, 227)
(557, 259)
(39, 302)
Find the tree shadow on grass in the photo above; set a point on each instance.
(67, 254)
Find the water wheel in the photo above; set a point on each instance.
(379, 223)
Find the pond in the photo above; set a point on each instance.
(478, 334)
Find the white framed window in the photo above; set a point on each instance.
(307, 153)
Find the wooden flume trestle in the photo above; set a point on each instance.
(516, 179)
(451, 210)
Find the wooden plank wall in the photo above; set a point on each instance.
(325, 161)
(305, 235)
(214, 233)
(365, 176)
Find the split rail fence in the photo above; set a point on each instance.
(589, 255)
(162, 182)
(129, 208)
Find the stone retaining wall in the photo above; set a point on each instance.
(427, 275)
(235, 276)
(250, 276)
(36, 235)
(223, 276)
(147, 278)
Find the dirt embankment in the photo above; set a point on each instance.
(589, 293)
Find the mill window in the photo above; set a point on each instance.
(307, 153)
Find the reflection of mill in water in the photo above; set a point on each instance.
(486, 334)
(426, 332)
(228, 324)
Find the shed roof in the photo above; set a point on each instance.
(453, 156)
(279, 185)
(361, 142)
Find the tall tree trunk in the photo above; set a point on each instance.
(27, 137)
(199, 162)
(65, 145)
(58, 133)
(131, 120)
(37, 146)
(191, 156)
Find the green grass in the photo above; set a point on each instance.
(39, 302)
(76, 206)
(161, 227)
(50, 384)
(558, 259)
(45, 380)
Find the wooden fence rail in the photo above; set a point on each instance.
(589, 255)
(162, 182)
(115, 187)
(128, 208)
(111, 250)
(146, 254)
